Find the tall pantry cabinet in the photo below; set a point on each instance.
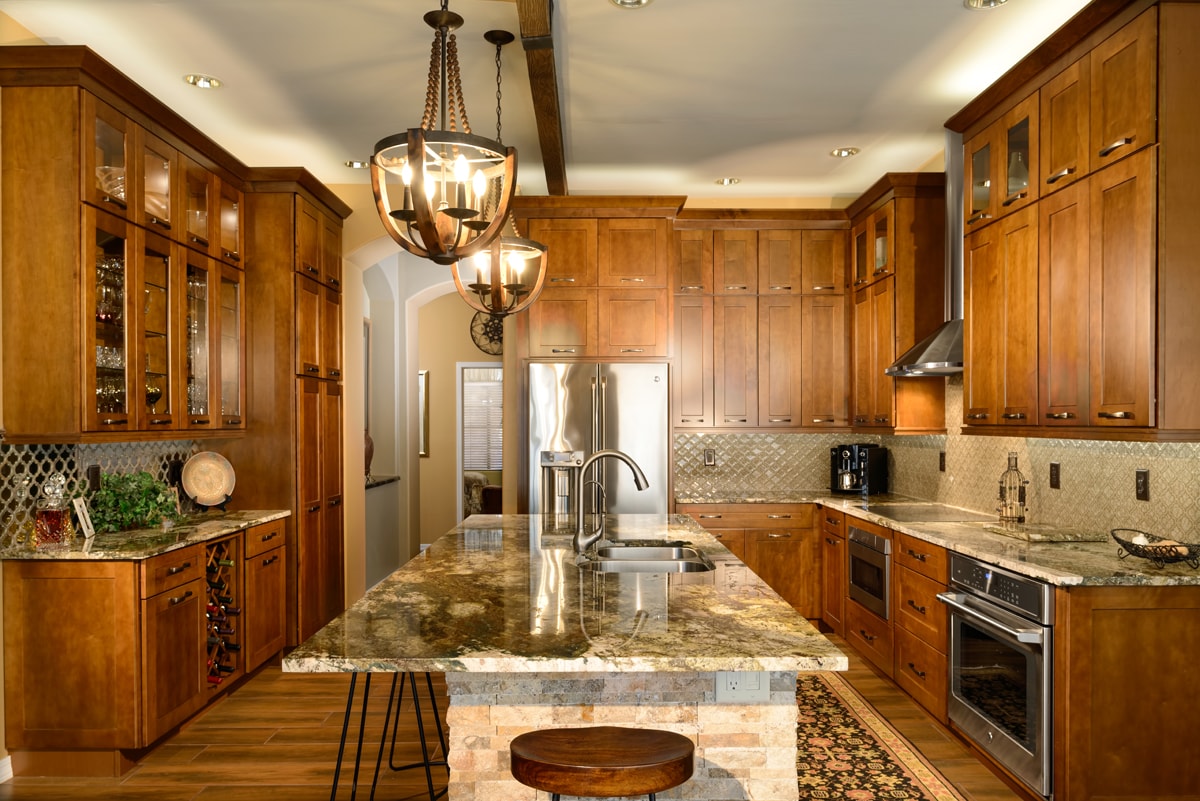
(293, 443)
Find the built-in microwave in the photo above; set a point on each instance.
(869, 569)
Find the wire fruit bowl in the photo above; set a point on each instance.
(1159, 550)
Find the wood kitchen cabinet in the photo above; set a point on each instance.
(1064, 372)
(693, 262)
(833, 568)
(572, 250)
(1000, 325)
(780, 380)
(1124, 88)
(296, 414)
(823, 355)
(1063, 115)
(920, 571)
(1001, 166)
(265, 608)
(634, 252)
(735, 361)
(780, 269)
(692, 383)
(735, 262)
(780, 546)
(874, 249)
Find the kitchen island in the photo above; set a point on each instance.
(528, 640)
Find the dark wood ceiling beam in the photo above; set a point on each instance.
(538, 40)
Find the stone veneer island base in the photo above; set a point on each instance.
(529, 640)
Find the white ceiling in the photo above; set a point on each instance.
(662, 100)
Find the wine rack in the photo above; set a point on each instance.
(224, 608)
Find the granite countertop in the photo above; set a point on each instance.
(496, 594)
(147, 543)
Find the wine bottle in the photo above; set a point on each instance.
(232, 611)
(217, 585)
(225, 562)
(232, 646)
(214, 679)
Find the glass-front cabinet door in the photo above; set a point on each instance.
(232, 319)
(106, 162)
(160, 178)
(106, 301)
(199, 387)
(979, 176)
(154, 389)
(230, 232)
(1019, 134)
(198, 191)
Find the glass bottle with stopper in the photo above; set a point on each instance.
(52, 527)
(1012, 507)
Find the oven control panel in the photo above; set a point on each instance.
(1027, 597)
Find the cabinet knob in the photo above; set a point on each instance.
(1058, 176)
(1114, 146)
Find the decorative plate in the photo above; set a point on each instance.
(487, 332)
(208, 478)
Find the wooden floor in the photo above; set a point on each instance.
(275, 738)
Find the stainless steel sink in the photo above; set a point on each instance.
(698, 565)
(644, 553)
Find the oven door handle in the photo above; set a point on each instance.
(1032, 635)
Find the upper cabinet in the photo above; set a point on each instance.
(123, 251)
(1107, 255)
(899, 298)
(1001, 164)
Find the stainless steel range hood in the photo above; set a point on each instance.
(941, 353)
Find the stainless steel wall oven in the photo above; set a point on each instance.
(1001, 648)
(870, 569)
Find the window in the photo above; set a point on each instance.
(483, 413)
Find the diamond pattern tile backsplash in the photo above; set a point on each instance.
(1097, 478)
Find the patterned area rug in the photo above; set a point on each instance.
(845, 750)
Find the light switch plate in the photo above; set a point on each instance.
(710, 457)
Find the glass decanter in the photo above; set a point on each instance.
(1012, 507)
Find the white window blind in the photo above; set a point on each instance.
(483, 417)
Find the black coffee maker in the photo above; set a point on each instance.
(860, 468)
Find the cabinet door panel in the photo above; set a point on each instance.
(173, 657)
(735, 332)
(1124, 91)
(265, 611)
(923, 672)
(917, 607)
(571, 251)
(1064, 115)
(824, 383)
(1063, 366)
(693, 379)
(779, 262)
(780, 333)
(883, 311)
(694, 251)
(1018, 402)
(983, 326)
(634, 323)
(789, 561)
(823, 262)
(735, 262)
(331, 334)
(1123, 292)
(833, 582)
(633, 252)
(308, 239)
(308, 327)
(562, 323)
(863, 343)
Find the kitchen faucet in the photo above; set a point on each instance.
(582, 539)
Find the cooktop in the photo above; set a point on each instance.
(926, 513)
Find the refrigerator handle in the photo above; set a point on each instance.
(602, 433)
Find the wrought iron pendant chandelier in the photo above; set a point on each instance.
(443, 193)
(507, 277)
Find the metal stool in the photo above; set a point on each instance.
(602, 761)
(395, 698)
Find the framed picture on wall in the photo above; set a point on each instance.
(423, 411)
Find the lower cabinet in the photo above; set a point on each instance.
(776, 541)
(919, 573)
(870, 635)
(103, 657)
(833, 569)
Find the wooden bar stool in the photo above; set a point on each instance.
(602, 761)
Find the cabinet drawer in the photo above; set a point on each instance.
(917, 608)
(733, 539)
(832, 521)
(922, 671)
(771, 515)
(869, 635)
(923, 557)
(260, 539)
(170, 570)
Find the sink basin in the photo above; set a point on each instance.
(647, 553)
(696, 565)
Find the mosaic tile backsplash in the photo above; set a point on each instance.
(1097, 478)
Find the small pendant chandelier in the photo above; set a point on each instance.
(507, 277)
(443, 193)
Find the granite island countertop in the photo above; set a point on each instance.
(147, 543)
(497, 594)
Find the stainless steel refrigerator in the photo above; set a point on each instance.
(579, 408)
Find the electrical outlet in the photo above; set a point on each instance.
(743, 686)
(93, 477)
(710, 457)
(1055, 476)
(1142, 485)
(942, 461)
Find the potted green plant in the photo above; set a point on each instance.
(132, 500)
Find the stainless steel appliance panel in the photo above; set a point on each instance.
(588, 406)
(869, 570)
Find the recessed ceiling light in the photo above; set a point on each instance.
(357, 165)
(843, 152)
(983, 5)
(202, 81)
(727, 181)
(631, 3)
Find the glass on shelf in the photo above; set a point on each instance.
(110, 160)
(1018, 158)
(156, 185)
(981, 183)
(231, 335)
(109, 328)
(230, 228)
(197, 333)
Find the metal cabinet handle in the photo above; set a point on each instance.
(832, 522)
(562, 350)
(822, 419)
(690, 420)
(865, 636)
(881, 419)
(1115, 415)
(832, 541)
(780, 419)
(735, 419)
(160, 223)
(308, 268)
(1058, 176)
(114, 421)
(783, 536)
(163, 422)
(978, 416)
(983, 215)
(563, 279)
(781, 288)
(312, 368)
(822, 287)
(690, 287)
(913, 668)
(335, 373)
(233, 421)
(633, 350)
(171, 571)
(200, 421)
(178, 599)
(1013, 416)
(336, 502)
(710, 517)
(736, 286)
(1117, 145)
(114, 201)
(1014, 197)
(920, 557)
(880, 271)
(913, 604)
(633, 280)
(316, 507)
(862, 281)
(270, 561)
(268, 537)
(779, 517)
(860, 419)
(1060, 415)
